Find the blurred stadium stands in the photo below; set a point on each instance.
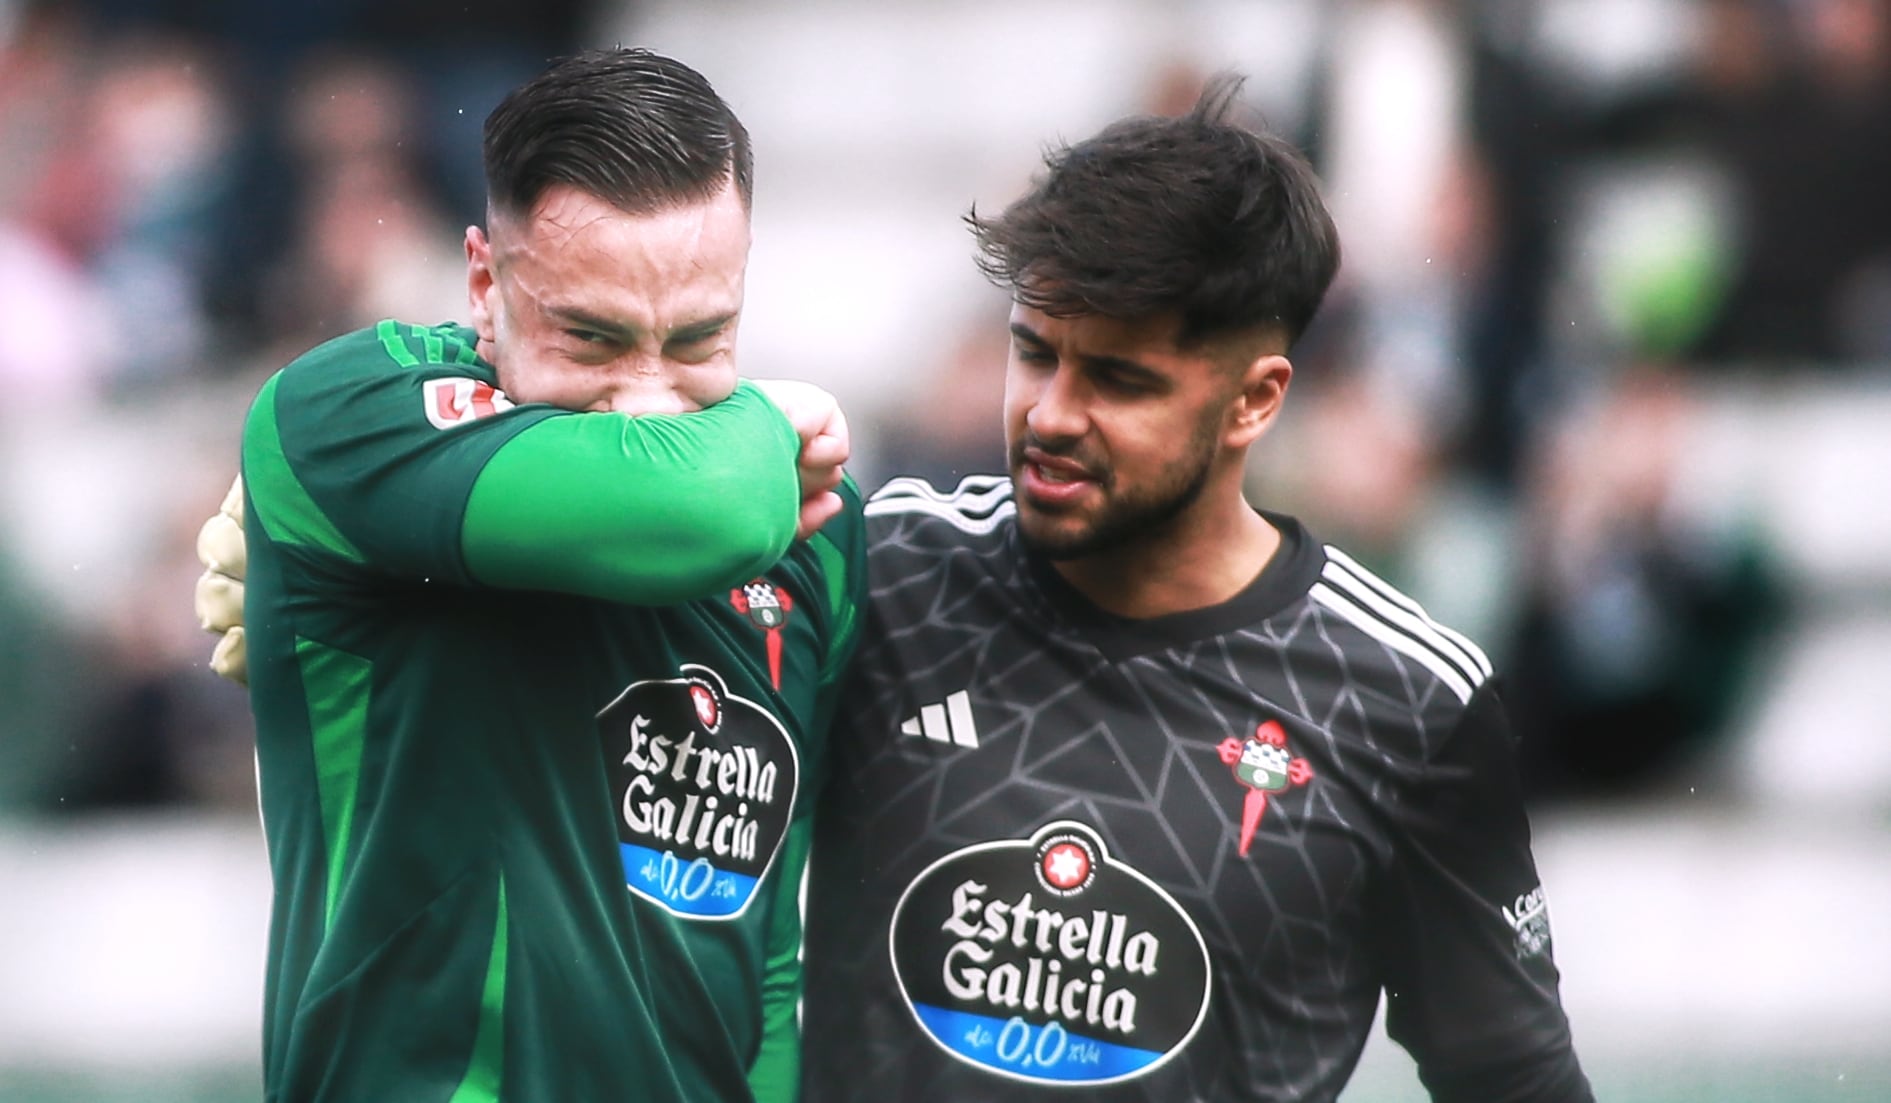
(1606, 381)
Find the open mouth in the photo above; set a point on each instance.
(1056, 475)
(1052, 480)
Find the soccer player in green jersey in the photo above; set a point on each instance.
(539, 665)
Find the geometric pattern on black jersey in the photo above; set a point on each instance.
(1116, 728)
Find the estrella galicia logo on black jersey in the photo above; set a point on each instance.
(1046, 960)
(767, 606)
(1265, 765)
(704, 783)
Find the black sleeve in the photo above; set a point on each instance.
(1471, 988)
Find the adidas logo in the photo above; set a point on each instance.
(950, 722)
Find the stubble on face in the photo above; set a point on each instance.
(1126, 518)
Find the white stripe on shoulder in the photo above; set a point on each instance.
(982, 484)
(1454, 642)
(1400, 619)
(978, 495)
(970, 487)
(1393, 638)
(976, 523)
(906, 486)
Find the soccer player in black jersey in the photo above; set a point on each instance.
(1142, 793)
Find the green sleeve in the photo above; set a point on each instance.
(391, 453)
(775, 1075)
(647, 510)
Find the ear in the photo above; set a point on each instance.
(482, 284)
(1263, 390)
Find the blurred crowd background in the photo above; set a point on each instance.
(1605, 381)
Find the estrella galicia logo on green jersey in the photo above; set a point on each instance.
(703, 784)
(1046, 960)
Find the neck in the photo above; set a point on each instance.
(1207, 555)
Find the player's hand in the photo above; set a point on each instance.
(825, 447)
(219, 601)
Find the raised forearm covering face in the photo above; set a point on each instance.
(431, 474)
(678, 506)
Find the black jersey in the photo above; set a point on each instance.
(1067, 855)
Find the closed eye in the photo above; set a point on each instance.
(1123, 383)
(1030, 352)
(701, 333)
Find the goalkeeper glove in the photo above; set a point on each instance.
(219, 599)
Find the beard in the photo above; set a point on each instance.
(1125, 518)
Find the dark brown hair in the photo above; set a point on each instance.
(634, 128)
(1197, 215)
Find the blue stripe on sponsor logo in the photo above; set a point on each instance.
(1042, 1052)
(690, 888)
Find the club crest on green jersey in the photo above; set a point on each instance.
(767, 606)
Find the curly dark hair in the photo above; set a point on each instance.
(639, 130)
(1198, 215)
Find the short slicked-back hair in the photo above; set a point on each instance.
(1198, 215)
(641, 131)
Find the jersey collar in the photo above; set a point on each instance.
(1292, 571)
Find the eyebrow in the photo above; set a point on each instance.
(694, 331)
(1119, 364)
(697, 331)
(587, 320)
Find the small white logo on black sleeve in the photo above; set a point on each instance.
(1529, 916)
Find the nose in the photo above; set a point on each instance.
(648, 392)
(1056, 411)
(639, 402)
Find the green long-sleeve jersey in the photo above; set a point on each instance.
(539, 699)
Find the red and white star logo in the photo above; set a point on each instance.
(1066, 865)
(708, 710)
